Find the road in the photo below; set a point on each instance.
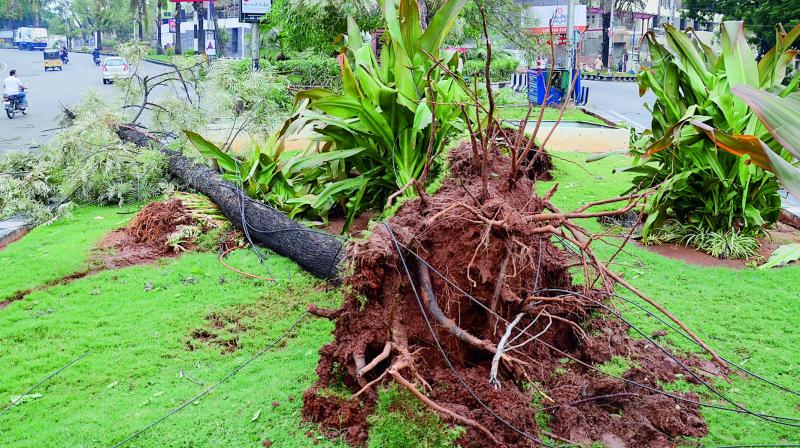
(620, 102)
(47, 91)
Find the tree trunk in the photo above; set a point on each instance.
(318, 253)
(159, 46)
(178, 13)
(99, 40)
(201, 32)
(606, 47)
(422, 5)
(139, 21)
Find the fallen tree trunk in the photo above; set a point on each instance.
(317, 252)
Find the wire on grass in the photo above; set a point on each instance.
(215, 385)
(47, 378)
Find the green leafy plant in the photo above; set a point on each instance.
(299, 183)
(699, 182)
(400, 110)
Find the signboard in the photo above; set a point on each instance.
(254, 10)
(541, 16)
(172, 27)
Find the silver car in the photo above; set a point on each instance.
(114, 68)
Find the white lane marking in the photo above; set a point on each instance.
(636, 124)
(4, 66)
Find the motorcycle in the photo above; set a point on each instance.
(97, 61)
(65, 59)
(13, 106)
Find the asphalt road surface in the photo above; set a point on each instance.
(46, 92)
(620, 102)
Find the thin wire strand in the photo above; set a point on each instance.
(47, 378)
(215, 385)
(643, 386)
(444, 353)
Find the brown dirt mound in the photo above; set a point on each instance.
(144, 240)
(511, 270)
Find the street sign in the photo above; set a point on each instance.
(540, 16)
(253, 10)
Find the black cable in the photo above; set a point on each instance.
(689, 338)
(48, 377)
(694, 375)
(215, 385)
(444, 353)
(594, 368)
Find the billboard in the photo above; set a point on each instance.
(538, 18)
(254, 10)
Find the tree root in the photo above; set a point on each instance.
(394, 371)
(429, 298)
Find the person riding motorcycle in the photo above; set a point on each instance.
(64, 55)
(14, 88)
(96, 56)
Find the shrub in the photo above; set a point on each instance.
(311, 70)
(698, 183)
(502, 68)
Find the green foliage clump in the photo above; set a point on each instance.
(311, 70)
(86, 163)
(301, 183)
(385, 110)
(700, 180)
(502, 68)
(316, 25)
(732, 244)
(400, 420)
(235, 89)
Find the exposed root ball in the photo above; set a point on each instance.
(502, 254)
(157, 221)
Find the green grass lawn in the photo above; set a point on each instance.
(138, 322)
(550, 114)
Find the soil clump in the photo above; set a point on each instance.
(469, 267)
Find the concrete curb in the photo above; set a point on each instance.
(12, 229)
(157, 62)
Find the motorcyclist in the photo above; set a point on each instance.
(64, 54)
(14, 88)
(96, 56)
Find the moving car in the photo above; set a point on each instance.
(114, 68)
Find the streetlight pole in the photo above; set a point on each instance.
(571, 39)
(255, 45)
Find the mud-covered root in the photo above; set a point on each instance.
(471, 306)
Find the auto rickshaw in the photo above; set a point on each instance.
(52, 60)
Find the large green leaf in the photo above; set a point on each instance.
(307, 161)
(781, 116)
(772, 66)
(440, 26)
(782, 256)
(211, 151)
(740, 62)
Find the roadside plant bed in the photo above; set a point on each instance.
(429, 323)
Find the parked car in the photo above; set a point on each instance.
(114, 68)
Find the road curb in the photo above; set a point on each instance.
(12, 229)
(157, 62)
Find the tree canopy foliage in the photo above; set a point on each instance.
(761, 17)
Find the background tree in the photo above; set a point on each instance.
(138, 9)
(760, 17)
(315, 24)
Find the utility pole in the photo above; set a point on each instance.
(255, 45)
(611, 37)
(571, 38)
